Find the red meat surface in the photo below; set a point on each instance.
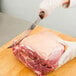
(40, 52)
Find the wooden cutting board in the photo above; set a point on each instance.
(10, 66)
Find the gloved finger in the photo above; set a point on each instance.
(45, 6)
(63, 42)
(65, 57)
(67, 43)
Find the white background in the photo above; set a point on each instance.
(63, 20)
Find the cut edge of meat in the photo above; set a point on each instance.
(33, 60)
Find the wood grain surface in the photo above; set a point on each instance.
(10, 66)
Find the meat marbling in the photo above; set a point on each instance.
(40, 52)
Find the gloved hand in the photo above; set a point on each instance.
(48, 6)
(69, 53)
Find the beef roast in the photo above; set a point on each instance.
(40, 52)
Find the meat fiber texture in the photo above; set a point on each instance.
(40, 52)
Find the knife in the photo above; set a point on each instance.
(32, 26)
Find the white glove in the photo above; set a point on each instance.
(69, 53)
(48, 6)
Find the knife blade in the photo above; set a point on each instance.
(32, 26)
